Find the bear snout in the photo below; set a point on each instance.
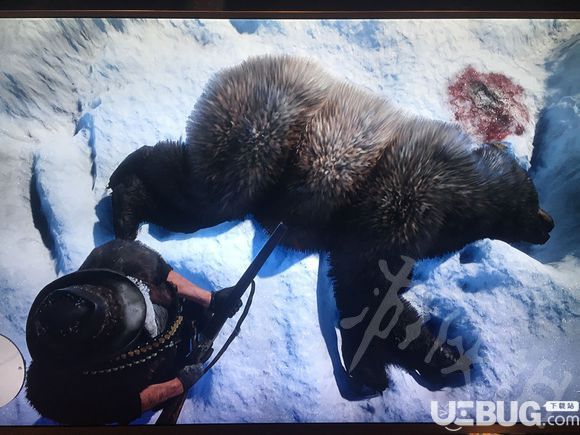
(547, 219)
(546, 224)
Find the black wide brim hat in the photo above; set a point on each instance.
(85, 318)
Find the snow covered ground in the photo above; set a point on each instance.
(121, 84)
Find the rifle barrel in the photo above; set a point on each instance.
(253, 269)
(216, 323)
(172, 409)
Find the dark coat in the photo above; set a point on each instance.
(74, 396)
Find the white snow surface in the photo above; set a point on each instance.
(128, 83)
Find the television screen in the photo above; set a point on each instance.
(427, 174)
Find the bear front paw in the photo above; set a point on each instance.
(369, 378)
(126, 216)
(443, 366)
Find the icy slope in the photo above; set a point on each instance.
(557, 152)
(120, 84)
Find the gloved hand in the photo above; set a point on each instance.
(189, 375)
(219, 303)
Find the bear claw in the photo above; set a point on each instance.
(445, 368)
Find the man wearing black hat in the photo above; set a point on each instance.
(109, 341)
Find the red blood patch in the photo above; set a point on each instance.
(489, 106)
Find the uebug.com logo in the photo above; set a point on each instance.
(456, 414)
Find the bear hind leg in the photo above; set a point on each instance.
(378, 328)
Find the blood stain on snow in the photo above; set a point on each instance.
(488, 105)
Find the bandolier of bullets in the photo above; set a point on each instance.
(142, 353)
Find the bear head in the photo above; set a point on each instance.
(425, 201)
(513, 198)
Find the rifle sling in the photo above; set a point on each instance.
(172, 409)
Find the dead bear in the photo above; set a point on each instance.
(350, 174)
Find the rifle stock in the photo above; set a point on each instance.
(172, 409)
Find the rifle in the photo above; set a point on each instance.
(203, 343)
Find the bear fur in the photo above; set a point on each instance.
(348, 173)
